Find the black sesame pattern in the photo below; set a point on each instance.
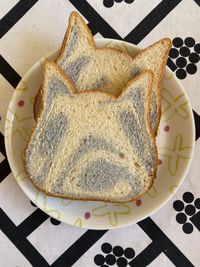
(188, 211)
(114, 256)
(110, 3)
(183, 56)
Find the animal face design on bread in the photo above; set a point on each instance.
(90, 143)
(109, 69)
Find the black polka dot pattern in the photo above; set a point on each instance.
(122, 262)
(183, 56)
(197, 48)
(106, 248)
(188, 228)
(181, 74)
(177, 42)
(33, 204)
(178, 205)
(188, 197)
(181, 62)
(54, 221)
(191, 68)
(129, 253)
(110, 259)
(99, 259)
(197, 203)
(194, 58)
(173, 53)
(189, 41)
(181, 218)
(184, 51)
(188, 210)
(110, 3)
(114, 256)
(118, 251)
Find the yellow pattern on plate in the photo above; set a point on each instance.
(173, 188)
(42, 198)
(152, 192)
(15, 126)
(22, 86)
(112, 211)
(174, 154)
(78, 223)
(173, 105)
(66, 202)
(21, 175)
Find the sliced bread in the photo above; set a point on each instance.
(108, 69)
(91, 145)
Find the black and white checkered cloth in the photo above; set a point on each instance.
(29, 29)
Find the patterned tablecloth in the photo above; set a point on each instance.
(29, 29)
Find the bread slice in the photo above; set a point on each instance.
(109, 69)
(91, 145)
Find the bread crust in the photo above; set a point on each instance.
(75, 15)
(158, 91)
(73, 90)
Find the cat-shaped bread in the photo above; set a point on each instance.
(109, 69)
(91, 145)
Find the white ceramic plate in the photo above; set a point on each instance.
(175, 145)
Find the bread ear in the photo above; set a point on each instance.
(153, 58)
(138, 92)
(77, 38)
(55, 83)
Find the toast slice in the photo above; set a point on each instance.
(91, 145)
(108, 69)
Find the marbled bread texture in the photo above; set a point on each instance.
(109, 69)
(90, 144)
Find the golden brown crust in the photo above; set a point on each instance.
(74, 15)
(87, 199)
(168, 44)
(151, 133)
(36, 104)
(73, 90)
(160, 79)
